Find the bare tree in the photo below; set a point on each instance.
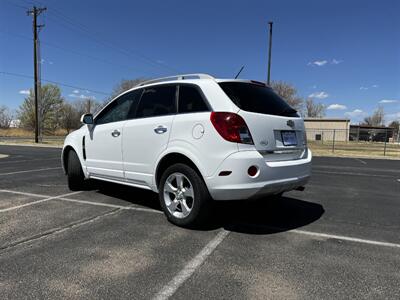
(395, 125)
(289, 93)
(70, 117)
(376, 119)
(72, 112)
(125, 85)
(87, 106)
(5, 117)
(314, 110)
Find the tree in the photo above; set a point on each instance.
(87, 106)
(125, 85)
(314, 110)
(5, 117)
(289, 93)
(376, 119)
(72, 112)
(395, 125)
(50, 105)
(70, 117)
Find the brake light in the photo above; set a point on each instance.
(231, 127)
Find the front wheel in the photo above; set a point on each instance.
(184, 196)
(74, 172)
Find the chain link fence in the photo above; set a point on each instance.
(356, 141)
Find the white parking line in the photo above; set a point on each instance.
(110, 205)
(25, 160)
(171, 287)
(24, 193)
(28, 171)
(38, 201)
(360, 160)
(63, 197)
(345, 238)
(352, 174)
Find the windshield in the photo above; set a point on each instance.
(257, 98)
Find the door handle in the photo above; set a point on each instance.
(115, 133)
(160, 129)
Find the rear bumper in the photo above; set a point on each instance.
(272, 178)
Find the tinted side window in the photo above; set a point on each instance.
(190, 100)
(120, 109)
(157, 101)
(257, 98)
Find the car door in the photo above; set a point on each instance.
(146, 136)
(103, 144)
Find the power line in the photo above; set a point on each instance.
(15, 4)
(55, 82)
(84, 29)
(51, 45)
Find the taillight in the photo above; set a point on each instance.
(231, 127)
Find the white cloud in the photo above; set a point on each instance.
(369, 87)
(76, 91)
(388, 101)
(318, 63)
(81, 96)
(336, 61)
(357, 113)
(392, 117)
(24, 92)
(319, 95)
(337, 106)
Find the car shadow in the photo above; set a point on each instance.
(263, 216)
(267, 215)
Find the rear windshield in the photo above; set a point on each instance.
(257, 98)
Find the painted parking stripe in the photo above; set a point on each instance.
(352, 174)
(63, 197)
(28, 171)
(110, 205)
(361, 161)
(38, 201)
(345, 238)
(24, 193)
(25, 160)
(171, 287)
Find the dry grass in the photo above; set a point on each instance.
(20, 132)
(356, 149)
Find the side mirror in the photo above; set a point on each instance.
(87, 119)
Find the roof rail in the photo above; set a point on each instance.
(178, 77)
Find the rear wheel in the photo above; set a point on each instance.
(184, 196)
(74, 171)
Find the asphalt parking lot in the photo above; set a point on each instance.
(340, 238)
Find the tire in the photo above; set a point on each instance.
(74, 172)
(175, 202)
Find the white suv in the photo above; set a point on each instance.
(192, 139)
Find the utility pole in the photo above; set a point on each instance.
(35, 12)
(269, 52)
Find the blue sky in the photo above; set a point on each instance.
(344, 53)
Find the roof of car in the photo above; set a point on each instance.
(193, 78)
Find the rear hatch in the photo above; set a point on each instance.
(277, 130)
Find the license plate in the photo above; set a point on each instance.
(289, 138)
